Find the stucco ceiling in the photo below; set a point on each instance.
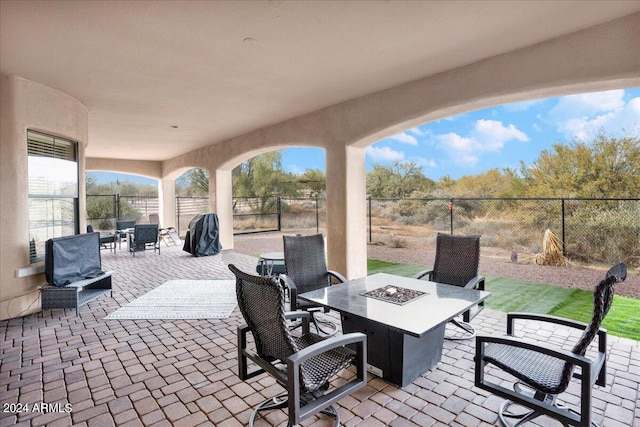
(220, 69)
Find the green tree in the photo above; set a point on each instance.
(491, 183)
(262, 177)
(314, 181)
(193, 183)
(400, 179)
(101, 206)
(603, 167)
(445, 186)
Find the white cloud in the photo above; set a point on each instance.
(492, 134)
(384, 154)
(460, 149)
(486, 136)
(587, 104)
(583, 116)
(405, 138)
(417, 131)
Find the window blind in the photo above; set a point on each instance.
(41, 145)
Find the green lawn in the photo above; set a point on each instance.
(518, 295)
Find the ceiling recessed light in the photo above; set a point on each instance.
(249, 40)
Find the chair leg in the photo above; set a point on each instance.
(331, 412)
(521, 418)
(327, 323)
(470, 331)
(278, 402)
(524, 417)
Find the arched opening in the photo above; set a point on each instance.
(508, 173)
(503, 135)
(192, 197)
(113, 197)
(280, 191)
(277, 190)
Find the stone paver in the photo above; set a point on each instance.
(95, 372)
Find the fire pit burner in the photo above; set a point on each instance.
(394, 294)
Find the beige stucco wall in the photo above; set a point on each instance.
(147, 168)
(598, 58)
(28, 105)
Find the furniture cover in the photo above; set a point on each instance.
(203, 236)
(72, 258)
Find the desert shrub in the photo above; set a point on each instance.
(394, 241)
(407, 207)
(604, 234)
(434, 213)
(506, 234)
(254, 222)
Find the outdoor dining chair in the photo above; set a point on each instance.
(305, 271)
(145, 236)
(106, 241)
(541, 371)
(456, 263)
(304, 366)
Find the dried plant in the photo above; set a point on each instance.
(397, 242)
(551, 251)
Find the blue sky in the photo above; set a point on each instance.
(477, 141)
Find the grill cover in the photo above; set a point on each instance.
(72, 258)
(203, 236)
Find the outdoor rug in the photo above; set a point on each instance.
(183, 299)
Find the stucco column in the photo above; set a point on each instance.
(167, 199)
(221, 202)
(346, 211)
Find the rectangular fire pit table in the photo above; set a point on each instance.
(404, 339)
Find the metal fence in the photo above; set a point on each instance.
(186, 209)
(591, 230)
(278, 213)
(104, 210)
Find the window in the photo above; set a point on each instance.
(53, 190)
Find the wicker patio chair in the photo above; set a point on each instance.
(303, 366)
(145, 236)
(542, 371)
(306, 270)
(456, 263)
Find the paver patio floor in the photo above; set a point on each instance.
(183, 372)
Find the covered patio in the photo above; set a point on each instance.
(183, 372)
(157, 88)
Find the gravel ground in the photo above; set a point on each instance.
(493, 262)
